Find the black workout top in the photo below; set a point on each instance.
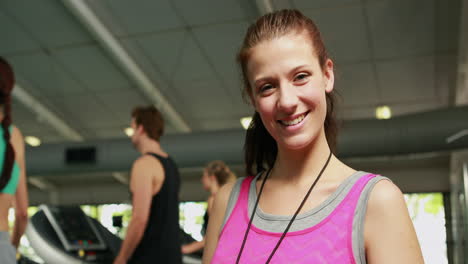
(160, 242)
(205, 223)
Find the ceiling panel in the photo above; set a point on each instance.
(193, 65)
(27, 121)
(401, 28)
(35, 122)
(178, 59)
(107, 16)
(31, 124)
(343, 31)
(45, 74)
(447, 26)
(407, 80)
(123, 102)
(70, 114)
(305, 4)
(203, 12)
(221, 43)
(153, 71)
(204, 98)
(164, 50)
(16, 39)
(144, 16)
(47, 21)
(356, 84)
(91, 112)
(93, 68)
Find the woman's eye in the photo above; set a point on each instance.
(265, 87)
(301, 77)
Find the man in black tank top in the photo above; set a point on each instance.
(153, 232)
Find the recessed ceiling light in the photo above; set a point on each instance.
(245, 121)
(383, 112)
(32, 141)
(129, 131)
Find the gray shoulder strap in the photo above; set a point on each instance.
(232, 200)
(359, 219)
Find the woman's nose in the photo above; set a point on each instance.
(288, 99)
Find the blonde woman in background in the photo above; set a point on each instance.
(215, 175)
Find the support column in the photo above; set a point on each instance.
(459, 159)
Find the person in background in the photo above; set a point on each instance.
(13, 187)
(152, 235)
(215, 175)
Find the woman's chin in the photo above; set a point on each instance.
(297, 143)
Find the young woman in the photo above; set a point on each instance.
(215, 175)
(304, 205)
(13, 189)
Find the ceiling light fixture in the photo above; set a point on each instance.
(129, 131)
(383, 112)
(32, 141)
(245, 121)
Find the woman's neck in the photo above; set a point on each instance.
(295, 166)
(214, 189)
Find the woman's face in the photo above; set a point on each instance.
(288, 89)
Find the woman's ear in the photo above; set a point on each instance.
(213, 178)
(329, 76)
(140, 129)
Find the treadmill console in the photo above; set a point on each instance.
(75, 230)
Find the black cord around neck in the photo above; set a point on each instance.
(292, 219)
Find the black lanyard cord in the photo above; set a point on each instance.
(292, 219)
(251, 217)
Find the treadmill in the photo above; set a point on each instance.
(65, 234)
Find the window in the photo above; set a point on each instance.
(428, 214)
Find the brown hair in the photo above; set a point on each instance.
(7, 81)
(151, 120)
(260, 148)
(221, 171)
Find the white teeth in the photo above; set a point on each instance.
(293, 122)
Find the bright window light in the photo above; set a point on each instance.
(245, 121)
(32, 141)
(383, 112)
(427, 211)
(129, 131)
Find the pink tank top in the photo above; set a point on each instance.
(329, 241)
